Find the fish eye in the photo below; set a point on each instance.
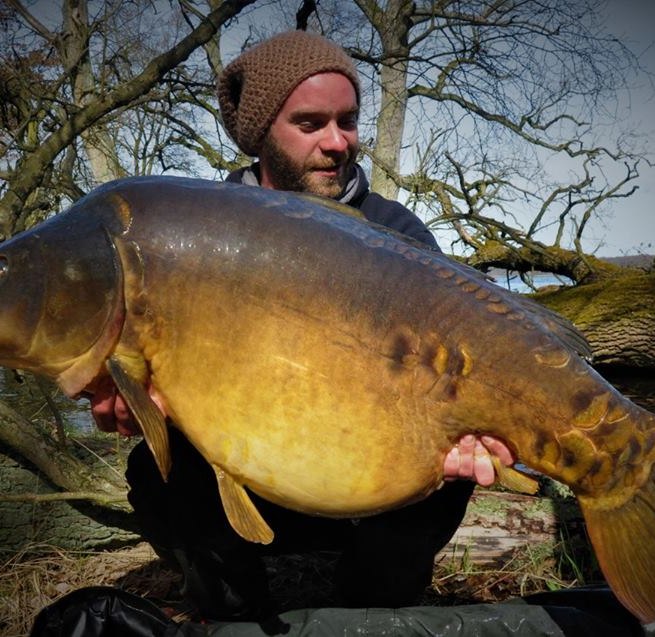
(4, 267)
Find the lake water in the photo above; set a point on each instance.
(512, 281)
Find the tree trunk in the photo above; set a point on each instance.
(58, 496)
(616, 315)
(74, 49)
(86, 474)
(31, 519)
(580, 268)
(392, 25)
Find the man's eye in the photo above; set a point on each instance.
(348, 123)
(309, 126)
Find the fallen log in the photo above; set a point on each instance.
(498, 524)
(616, 315)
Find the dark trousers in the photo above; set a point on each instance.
(386, 560)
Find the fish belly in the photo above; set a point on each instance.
(302, 415)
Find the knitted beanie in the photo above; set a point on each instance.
(254, 86)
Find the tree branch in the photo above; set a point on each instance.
(33, 167)
(62, 469)
(93, 496)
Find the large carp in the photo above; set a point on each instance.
(323, 362)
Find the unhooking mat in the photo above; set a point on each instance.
(581, 612)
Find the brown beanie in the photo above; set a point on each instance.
(253, 87)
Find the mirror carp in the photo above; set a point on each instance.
(318, 360)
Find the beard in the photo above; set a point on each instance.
(287, 174)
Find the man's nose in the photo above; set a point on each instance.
(334, 139)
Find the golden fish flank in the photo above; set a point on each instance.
(402, 353)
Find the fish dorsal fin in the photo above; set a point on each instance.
(514, 479)
(147, 414)
(560, 326)
(241, 512)
(568, 333)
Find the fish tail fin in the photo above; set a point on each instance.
(622, 536)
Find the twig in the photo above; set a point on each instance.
(59, 421)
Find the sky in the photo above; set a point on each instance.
(631, 227)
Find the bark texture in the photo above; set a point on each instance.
(71, 525)
(64, 497)
(59, 465)
(616, 315)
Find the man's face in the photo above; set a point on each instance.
(312, 144)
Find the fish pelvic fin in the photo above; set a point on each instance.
(242, 514)
(514, 479)
(147, 414)
(622, 537)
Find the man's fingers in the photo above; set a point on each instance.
(459, 463)
(483, 469)
(498, 448)
(103, 414)
(102, 406)
(110, 411)
(451, 465)
(471, 459)
(466, 447)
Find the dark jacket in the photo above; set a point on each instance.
(375, 207)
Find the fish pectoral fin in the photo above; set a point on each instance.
(513, 479)
(147, 414)
(241, 512)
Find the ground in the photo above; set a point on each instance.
(38, 576)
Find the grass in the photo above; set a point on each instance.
(40, 575)
(530, 569)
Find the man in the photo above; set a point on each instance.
(293, 102)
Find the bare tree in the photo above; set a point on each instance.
(472, 100)
(64, 92)
(467, 104)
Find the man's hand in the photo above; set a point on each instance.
(471, 459)
(110, 411)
